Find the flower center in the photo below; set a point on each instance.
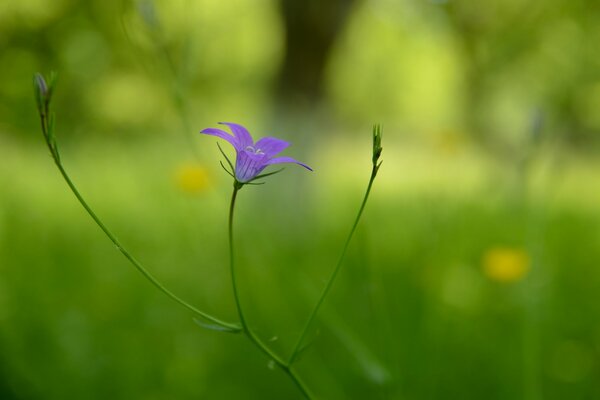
(253, 150)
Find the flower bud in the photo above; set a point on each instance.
(41, 91)
(377, 149)
(41, 85)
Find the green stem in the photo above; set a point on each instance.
(334, 274)
(236, 296)
(229, 326)
(256, 341)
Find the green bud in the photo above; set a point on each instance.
(40, 89)
(43, 91)
(43, 94)
(377, 149)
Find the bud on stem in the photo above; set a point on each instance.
(40, 89)
(377, 149)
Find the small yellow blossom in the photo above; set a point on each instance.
(505, 264)
(192, 178)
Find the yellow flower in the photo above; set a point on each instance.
(505, 264)
(192, 178)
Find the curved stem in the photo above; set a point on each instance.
(136, 263)
(256, 341)
(49, 137)
(334, 273)
(236, 296)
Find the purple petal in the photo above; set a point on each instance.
(248, 165)
(271, 146)
(222, 134)
(280, 160)
(241, 134)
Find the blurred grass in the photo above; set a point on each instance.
(413, 315)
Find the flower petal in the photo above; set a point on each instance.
(271, 146)
(242, 135)
(222, 134)
(248, 165)
(280, 160)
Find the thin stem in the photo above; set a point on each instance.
(328, 286)
(136, 263)
(55, 155)
(236, 296)
(256, 341)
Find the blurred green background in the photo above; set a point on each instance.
(474, 273)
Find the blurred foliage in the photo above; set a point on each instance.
(427, 68)
(473, 274)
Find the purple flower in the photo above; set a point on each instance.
(251, 157)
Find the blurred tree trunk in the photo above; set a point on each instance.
(311, 29)
(470, 30)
